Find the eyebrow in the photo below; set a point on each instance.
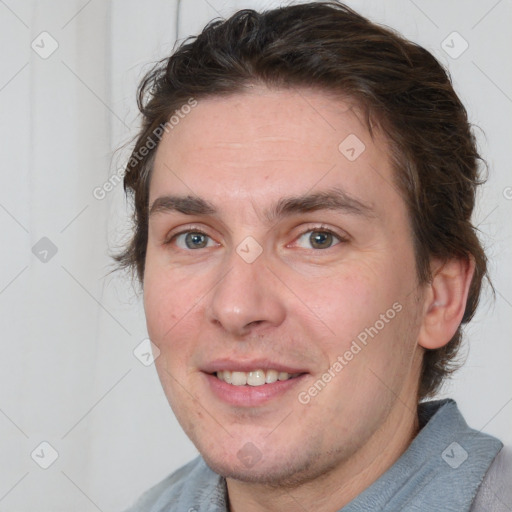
(189, 205)
(331, 199)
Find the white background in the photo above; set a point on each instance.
(67, 369)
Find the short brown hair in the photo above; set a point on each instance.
(400, 85)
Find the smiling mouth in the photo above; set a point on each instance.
(254, 377)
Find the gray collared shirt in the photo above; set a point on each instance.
(440, 471)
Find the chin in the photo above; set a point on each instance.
(274, 470)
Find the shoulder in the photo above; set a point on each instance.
(495, 491)
(186, 487)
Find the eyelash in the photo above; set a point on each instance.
(323, 229)
(319, 228)
(191, 229)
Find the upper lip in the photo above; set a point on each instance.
(248, 365)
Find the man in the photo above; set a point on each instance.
(303, 186)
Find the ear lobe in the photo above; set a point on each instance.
(445, 302)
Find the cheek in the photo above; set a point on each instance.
(366, 315)
(168, 301)
(348, 301)
(158, 308)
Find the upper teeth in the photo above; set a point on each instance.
(254, 378)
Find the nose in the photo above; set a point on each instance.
(247, 298)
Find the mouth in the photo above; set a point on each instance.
(252, 383)
(254, 377)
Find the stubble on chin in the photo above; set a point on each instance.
(306, 465)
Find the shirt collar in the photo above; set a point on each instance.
(441, 470)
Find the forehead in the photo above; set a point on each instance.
(259, 145)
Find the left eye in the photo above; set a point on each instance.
(193, 240)
(318, 239)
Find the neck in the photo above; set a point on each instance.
(336, 488)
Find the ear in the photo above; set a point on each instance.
(445, 301)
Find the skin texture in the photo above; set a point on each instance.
(294, 304)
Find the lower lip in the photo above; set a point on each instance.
(251, 396)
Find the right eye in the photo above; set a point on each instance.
(192, 240)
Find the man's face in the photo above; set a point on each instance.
(292, 253)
